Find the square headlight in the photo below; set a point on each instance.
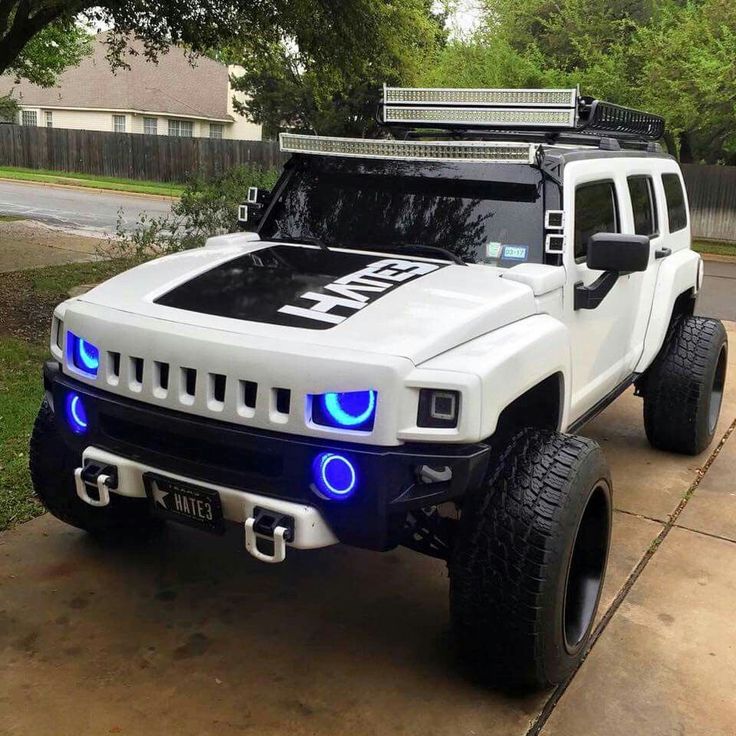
(438, 408)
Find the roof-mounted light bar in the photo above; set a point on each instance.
(480, 97)
(508, 153)
(479, 117)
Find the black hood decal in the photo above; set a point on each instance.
(294, 286)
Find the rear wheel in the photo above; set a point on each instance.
(683, 391)
(52, 467)
(528, 565)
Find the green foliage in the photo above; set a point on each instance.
(322, 73)
(677, 59)
(9, 110)
(57, 46)
(206, 208)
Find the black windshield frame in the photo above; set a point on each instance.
(516, 190)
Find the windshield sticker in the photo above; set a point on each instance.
(515, 252)
(493, 251)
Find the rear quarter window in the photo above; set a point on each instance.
(676, 210)
(596, 211)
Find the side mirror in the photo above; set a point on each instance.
(250, 213)
(614, 254)
(618, 252)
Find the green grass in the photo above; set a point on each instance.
(21, 390)
(10, 218)
(21, 386)
(90, 180)
(718, 249)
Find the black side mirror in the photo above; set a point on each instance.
(614, 254)
(618, 252)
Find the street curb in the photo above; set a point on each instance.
(53, 185)
(718, 258)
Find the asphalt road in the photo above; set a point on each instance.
(76, 209)
(718, 297)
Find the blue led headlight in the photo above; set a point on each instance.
(355, 410)
(335, 477)
(76, 414)
(84, 355)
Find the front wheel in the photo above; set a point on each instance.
(528, 565)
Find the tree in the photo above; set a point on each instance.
(314, 79)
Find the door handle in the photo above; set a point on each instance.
(662, 253)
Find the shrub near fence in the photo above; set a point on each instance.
(129, 155)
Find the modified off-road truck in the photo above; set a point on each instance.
(400, 350)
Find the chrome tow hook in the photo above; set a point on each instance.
(272, 526)
(96, 477)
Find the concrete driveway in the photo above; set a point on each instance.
(190, 635)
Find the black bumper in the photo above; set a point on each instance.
(273, 464)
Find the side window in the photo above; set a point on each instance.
(595, 212)
(641, 190)
(676, 213)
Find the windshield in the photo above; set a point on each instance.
(484, 213)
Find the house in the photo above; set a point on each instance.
(171, 97)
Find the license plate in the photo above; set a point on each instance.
(185, 503)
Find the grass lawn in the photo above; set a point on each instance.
(718, 249)
(90, 180)
(21, 363)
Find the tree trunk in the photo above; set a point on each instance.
(686, 149)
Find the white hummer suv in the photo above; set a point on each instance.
(401, 351)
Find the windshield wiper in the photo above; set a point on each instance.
(418, 247)
(306, 240)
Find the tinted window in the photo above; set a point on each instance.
(595, 212)
(676, 212)
(393, 205)
(642, 202)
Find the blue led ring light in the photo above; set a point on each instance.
(76, 414)
(334, 475)
(89, 355)
(349, 409)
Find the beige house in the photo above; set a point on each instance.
(172, 97)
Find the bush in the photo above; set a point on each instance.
(206, 208)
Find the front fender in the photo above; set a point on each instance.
(677, 274)
(509, 362)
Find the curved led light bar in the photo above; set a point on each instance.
(516, 153)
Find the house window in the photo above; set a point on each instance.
(181, 128)
(596, 211)
(118, 123)
(49, 119)
(217, 130)
(29, 117)
(150, 126)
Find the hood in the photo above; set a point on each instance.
(341, 299)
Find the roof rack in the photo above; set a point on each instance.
(534, 110)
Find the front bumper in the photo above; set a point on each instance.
(271, 464)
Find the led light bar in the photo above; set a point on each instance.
(485, 97)
(479, 116)
(518, 153)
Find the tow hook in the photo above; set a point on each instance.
(270, 525)
(98, 478)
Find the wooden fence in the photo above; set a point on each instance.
(712, 194)
(129, 156)
(711, 189)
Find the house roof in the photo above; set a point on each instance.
(172, 86)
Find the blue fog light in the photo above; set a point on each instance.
(85, 355)
(334, 475)
(352, 409)
(76, 414)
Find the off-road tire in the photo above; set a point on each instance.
(683, 389)
(52, 466)
(513, 559)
